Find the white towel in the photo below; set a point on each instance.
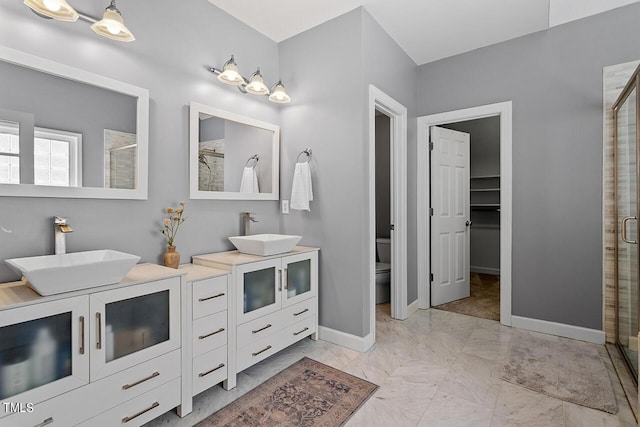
(249, 182)
(301, 191)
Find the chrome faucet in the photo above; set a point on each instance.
(248, 219)
(62, 227)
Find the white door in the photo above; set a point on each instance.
(450, 220)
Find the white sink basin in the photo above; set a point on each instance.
(55, 274)
(265, 244)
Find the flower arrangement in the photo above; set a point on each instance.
(172, 222)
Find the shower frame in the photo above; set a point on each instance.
(633, 83)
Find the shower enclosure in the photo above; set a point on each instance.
(627, 154)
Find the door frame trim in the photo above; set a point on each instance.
(504, 110)
(398, 114)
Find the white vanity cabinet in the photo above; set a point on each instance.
(205, 330)
(275, 302)
(91, 355)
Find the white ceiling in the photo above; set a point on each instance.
(427, 30)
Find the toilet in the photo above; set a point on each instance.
(383, 270)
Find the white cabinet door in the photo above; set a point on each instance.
(300, 277)
(260, 289)
(134, 324)
(43, 350)
(450, 222)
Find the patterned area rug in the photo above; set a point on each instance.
(307, 393)
(567, 370)
(484, 301)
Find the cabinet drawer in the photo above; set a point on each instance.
(261, 349)
(301, 330)
(209, 296)
(132, 382)
(141, 409)
(209, 369)
(209, 333)
(274, 322)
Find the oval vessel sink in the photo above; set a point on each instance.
(265, 244)
(55, 274)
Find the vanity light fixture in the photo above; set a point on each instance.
(56, 9)
(111, 25)
(254, 84)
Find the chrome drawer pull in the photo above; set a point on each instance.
(261, 329)
(45, 422)
(303, 311)
(128, 386)
(144, 411)
(261, 351)
(298, 333)
(81, 336)
(99, 323)
(202, 374)
(212, 297)
(201, 337)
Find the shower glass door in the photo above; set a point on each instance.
(626, 153)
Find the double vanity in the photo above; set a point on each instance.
(125, 353)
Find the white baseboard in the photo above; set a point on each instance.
(485, 270)
(412, 308)
(559, 329)
(343, 339)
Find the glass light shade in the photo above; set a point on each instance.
(112, 26)
(56, 9)
(230, 74)
(256, 85)
(279, 95)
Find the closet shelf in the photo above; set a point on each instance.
(485, 189)
(485, 177)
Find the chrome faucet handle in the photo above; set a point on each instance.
(248, 215)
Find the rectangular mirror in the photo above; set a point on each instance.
(66, 132)
(231, 156)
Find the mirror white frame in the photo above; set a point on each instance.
(195, 109)
(23, 59)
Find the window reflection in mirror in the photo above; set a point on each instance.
(232, 156)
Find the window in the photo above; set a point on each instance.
(56, 156)
(9, 152)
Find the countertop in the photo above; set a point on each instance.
(232, 258)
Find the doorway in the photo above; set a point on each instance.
(503, 112)
(477, 292)
(396, 158)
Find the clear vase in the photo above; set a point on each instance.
(171, 257)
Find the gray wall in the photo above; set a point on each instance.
(172, 65)
(484, 145)
(242, 142)
(329, 116)
(554, 79)
(64, 104)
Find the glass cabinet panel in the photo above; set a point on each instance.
(259, 289)
(34, 353)
(298, 278)
(136, 323)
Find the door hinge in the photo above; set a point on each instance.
(392, 227)
(431, 146)
(430, 211)
(431, 277)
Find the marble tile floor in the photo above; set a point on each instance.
(434, 369)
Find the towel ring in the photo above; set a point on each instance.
(256, 159)
(306, 152)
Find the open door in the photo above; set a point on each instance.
(450, 218)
